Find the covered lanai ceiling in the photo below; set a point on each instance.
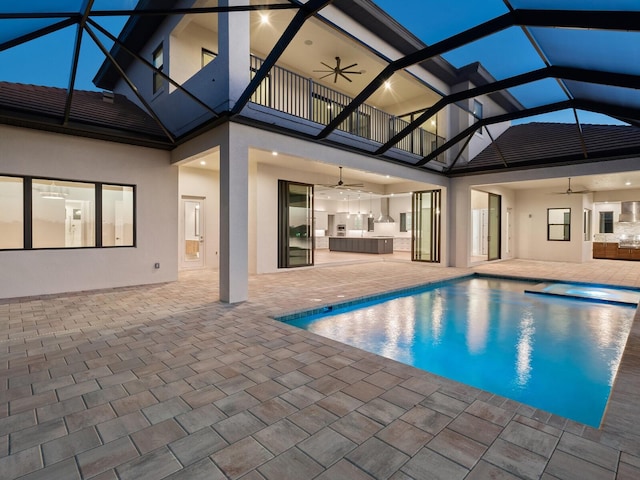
(586, 55)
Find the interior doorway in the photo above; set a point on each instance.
(192, 238)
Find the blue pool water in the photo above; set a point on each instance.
(557, 354)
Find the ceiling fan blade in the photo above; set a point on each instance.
(335, 77)
(324, 71)
(327, 75)
(343, 76)
(350, 66)
(328, 66)
(355, 185)
(351, 73)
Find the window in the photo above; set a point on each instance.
(477, 113)
(56, 213)
(11, 217)
(559, 224)
(405, 221)
(477, 109)
(158, 63)
(586, 225)
(207, 57)
(606, 222)
(117, 216)
(63, 214)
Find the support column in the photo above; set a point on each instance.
(234, 36)
(234, 214)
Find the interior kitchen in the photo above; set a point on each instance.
(618, 230)
(361, 222)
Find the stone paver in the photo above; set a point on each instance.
(163, 381)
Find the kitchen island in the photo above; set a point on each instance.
(361, 244)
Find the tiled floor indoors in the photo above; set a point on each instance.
(163, 381)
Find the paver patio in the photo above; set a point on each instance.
(163, 381)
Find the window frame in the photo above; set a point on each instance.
(206, 51)
(27, 212)
(158, 80)
(603, 222)
(477, 113)
(566, 236)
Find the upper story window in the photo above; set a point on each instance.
(477, 109)
(207, 56)
(158, 62)
(477, 113)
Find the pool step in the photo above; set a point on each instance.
(587, 292)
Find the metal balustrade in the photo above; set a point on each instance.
(296, 95)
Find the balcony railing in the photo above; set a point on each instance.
(296, 95)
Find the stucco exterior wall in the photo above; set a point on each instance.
(42, 155)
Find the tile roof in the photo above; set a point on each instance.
(33, 105)
(538, 144)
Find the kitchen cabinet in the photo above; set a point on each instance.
(612, 251)
(322, 220)
(322, 243)
(402, 244)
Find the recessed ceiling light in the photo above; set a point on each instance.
(627, 183)
(387, 176)
(387, 85)
(203, 162)
(308, 42)
(274, 153)
(264, 18)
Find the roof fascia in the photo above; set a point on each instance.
(52, 124)
(596, 107)
(134, 34)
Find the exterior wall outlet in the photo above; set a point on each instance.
(156, 265)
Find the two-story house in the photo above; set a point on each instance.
(227, 137)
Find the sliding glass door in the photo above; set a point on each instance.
(494, 239)
(426, 231)
(295, 224)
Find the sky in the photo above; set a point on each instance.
(504, 54)
(47, 60)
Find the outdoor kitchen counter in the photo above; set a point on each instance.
(361, 244)
(616, 251)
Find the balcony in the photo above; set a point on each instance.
(293, 94)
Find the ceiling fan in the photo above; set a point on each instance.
(338, 71)
(568, 191)
(341, 183)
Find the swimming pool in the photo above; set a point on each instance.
(557, 354)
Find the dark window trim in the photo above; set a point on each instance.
(207, 52)
(157, 84)
(603, 221)
(567, 226)
(27, 212)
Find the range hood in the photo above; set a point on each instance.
(630, 212)
(384, 208)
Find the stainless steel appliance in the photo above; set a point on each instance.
(341, 230)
